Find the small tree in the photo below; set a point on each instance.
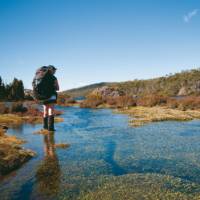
(2, 90)
(16, 90)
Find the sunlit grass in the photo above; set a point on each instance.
(10, 119)
(143, 115)
(12, 154)
(16, 120)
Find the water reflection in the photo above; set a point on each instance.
(49, 173)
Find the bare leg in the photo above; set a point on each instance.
(51, 117)
(45, 117)
(45, 110)
(50, 109)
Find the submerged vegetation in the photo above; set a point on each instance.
(144, 186)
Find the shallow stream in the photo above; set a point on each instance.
(103, 146)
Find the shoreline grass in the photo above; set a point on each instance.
(13, 155)
(143, 115)
(17, 120)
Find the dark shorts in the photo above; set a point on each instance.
(52, 99)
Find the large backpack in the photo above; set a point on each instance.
(42, 84)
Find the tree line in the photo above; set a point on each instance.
(13, 91)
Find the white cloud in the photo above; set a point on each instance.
(190, 15)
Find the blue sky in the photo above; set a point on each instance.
(98, 40)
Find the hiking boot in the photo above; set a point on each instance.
(51, 123)
(45, 122)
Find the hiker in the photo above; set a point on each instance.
(45, 85)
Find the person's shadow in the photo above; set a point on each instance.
(48, 172)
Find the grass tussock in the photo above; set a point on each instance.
(10, 119)
(17, 114)
(12, 155)
(8, 139)
(65, 100)
(181, 103)
(42, 132)
(121, 101)
(125, 101)
(152, 100)
(62, 145)
(92, 101)
(186, 103)
(97, 101)
(11, 140)
(16, 120)
(143, 115)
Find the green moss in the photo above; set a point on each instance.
(145, 187)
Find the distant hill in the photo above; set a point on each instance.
(84, 91)
(183, 83)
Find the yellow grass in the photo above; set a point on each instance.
(8, 139)
(42, 132)
(10, 119)
(62, 145)
(58, 119)
(12, 154)
(143, 115)
(15, 120)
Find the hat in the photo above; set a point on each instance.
(51, 67)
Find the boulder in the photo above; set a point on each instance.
(183, 91)
(107, 91)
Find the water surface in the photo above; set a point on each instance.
(101, 145)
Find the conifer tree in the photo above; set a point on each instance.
(2, 90)
(16, 90)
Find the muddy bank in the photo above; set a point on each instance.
(12, 154)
